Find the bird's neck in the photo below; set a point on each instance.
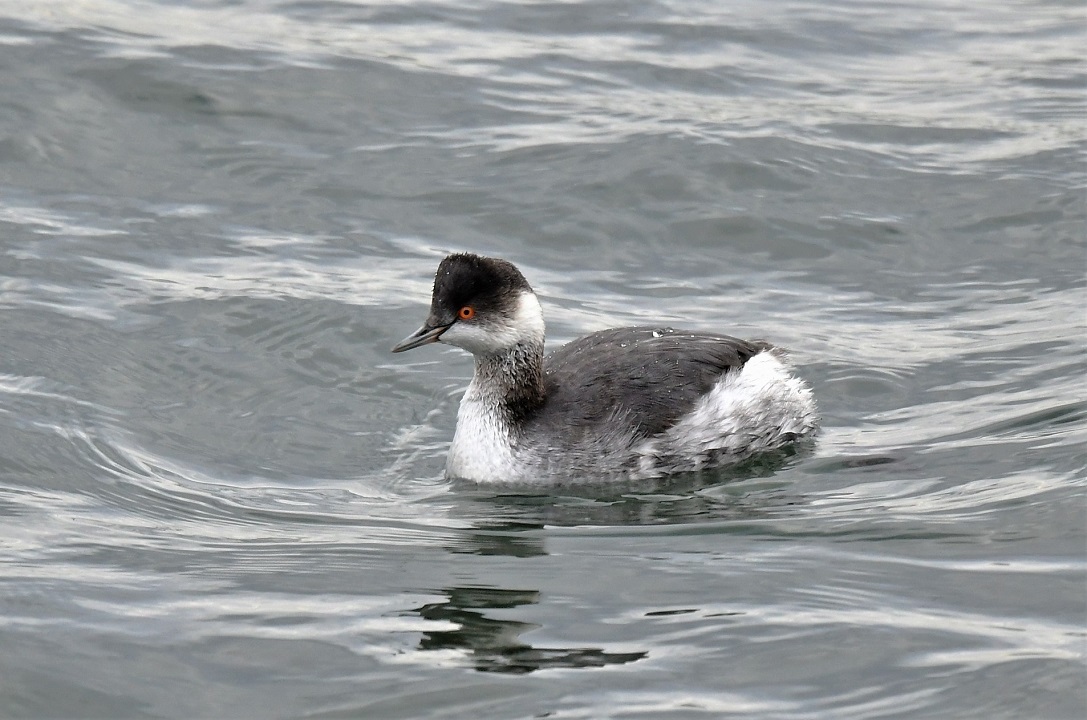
(510, 383)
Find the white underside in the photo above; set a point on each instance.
(761, 408)
(482, 448)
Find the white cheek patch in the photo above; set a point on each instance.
(492, 335)
(469, 336)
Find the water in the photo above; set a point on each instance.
(221, 496)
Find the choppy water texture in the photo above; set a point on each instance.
(220, 496)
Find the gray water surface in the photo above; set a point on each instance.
(221, 496)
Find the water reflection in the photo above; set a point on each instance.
(495, 645)
(503, 520)
(499, 538)
(511, 520)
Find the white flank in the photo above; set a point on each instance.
(763, 407)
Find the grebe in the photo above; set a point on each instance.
(631, 402)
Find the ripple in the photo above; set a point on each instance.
(631, 77)
(218, 489)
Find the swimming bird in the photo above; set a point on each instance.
(633, 402)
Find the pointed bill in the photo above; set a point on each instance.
(423, 336)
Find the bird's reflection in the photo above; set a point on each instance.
(512, 513)
(501, 537)
(514, 522)
(495, 645)
(508, 520)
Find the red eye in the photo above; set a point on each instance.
(466, 313)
